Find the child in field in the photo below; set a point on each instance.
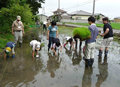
(35, 47)
(70, 40)
(9, 46)
(56, 45)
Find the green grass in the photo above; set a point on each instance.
(114, 25)
(64, 30)
(82, 32)
(4, 38)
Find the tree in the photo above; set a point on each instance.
(7, 16)
(33, 4)
(98, 17)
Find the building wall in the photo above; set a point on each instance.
(42, 18)
(80, 17)
(77, 21)
(117, 20)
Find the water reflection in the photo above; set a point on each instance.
(76, 58)
(103, 71)
(87, 79)
(68, 52)
(53, 64)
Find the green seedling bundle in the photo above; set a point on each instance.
(82, 32)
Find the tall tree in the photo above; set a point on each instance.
(35, 5)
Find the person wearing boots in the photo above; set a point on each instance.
(18, 30)
(107, 37)
(90, 43)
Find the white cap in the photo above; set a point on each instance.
(18, 18)
(37, 47)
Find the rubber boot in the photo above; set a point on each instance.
(87, 62)
(106, 52)
(91, 61)
(13, 56)
(20, 44)
(100, 53)
(8, 56)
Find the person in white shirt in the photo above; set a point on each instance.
(56, 45)
(70, 40)
(45, 25)
(35, 47)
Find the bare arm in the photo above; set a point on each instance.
(12, 31)
(107, 30)
(4, 55)
(61, 49)
(33, 53)
(54, 51)
(48, 34)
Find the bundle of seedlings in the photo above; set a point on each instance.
(82, 33)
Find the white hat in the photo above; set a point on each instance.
(37, 47)
(18, 18)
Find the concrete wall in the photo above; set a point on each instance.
(80, 17)
(76, 21)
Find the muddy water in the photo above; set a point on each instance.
(65, 70)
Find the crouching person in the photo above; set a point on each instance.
(56, 45)
(90, 43)
(9, 46)
(35, 47)
(70, 40)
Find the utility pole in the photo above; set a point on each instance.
(93, 8)
(59, 4)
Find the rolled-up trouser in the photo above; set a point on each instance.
(13, 52)
(89, 50)
(18, 35)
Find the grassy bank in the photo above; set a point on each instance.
(114, 25)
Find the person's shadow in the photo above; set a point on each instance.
(103, 71)
(87, 79)
(76, 58)
(53, 64)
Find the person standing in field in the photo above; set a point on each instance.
(107, 37)
(45, 25)
(18, 30)
(90, 43)
(52, 33)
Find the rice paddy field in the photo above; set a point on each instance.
(67, 69)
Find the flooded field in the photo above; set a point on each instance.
(66, 70)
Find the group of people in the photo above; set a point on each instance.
(55, 44)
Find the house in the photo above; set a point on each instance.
(99, 16)
(117, 19)
(58, 15)
(80, 15)
(42, 17)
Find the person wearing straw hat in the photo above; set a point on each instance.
(18, 30)
(9, 47)
(35, 47)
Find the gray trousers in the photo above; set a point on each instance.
(18, 35)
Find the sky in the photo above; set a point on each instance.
(109, 8)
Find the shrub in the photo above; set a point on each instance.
(83, 33)
(7, 16)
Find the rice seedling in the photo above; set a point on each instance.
(82, 32)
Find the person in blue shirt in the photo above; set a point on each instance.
(90, 43)
(9, 46)
(52, 33)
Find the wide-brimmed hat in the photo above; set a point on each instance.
(18, 18)
(37, 47)
(7, 50)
